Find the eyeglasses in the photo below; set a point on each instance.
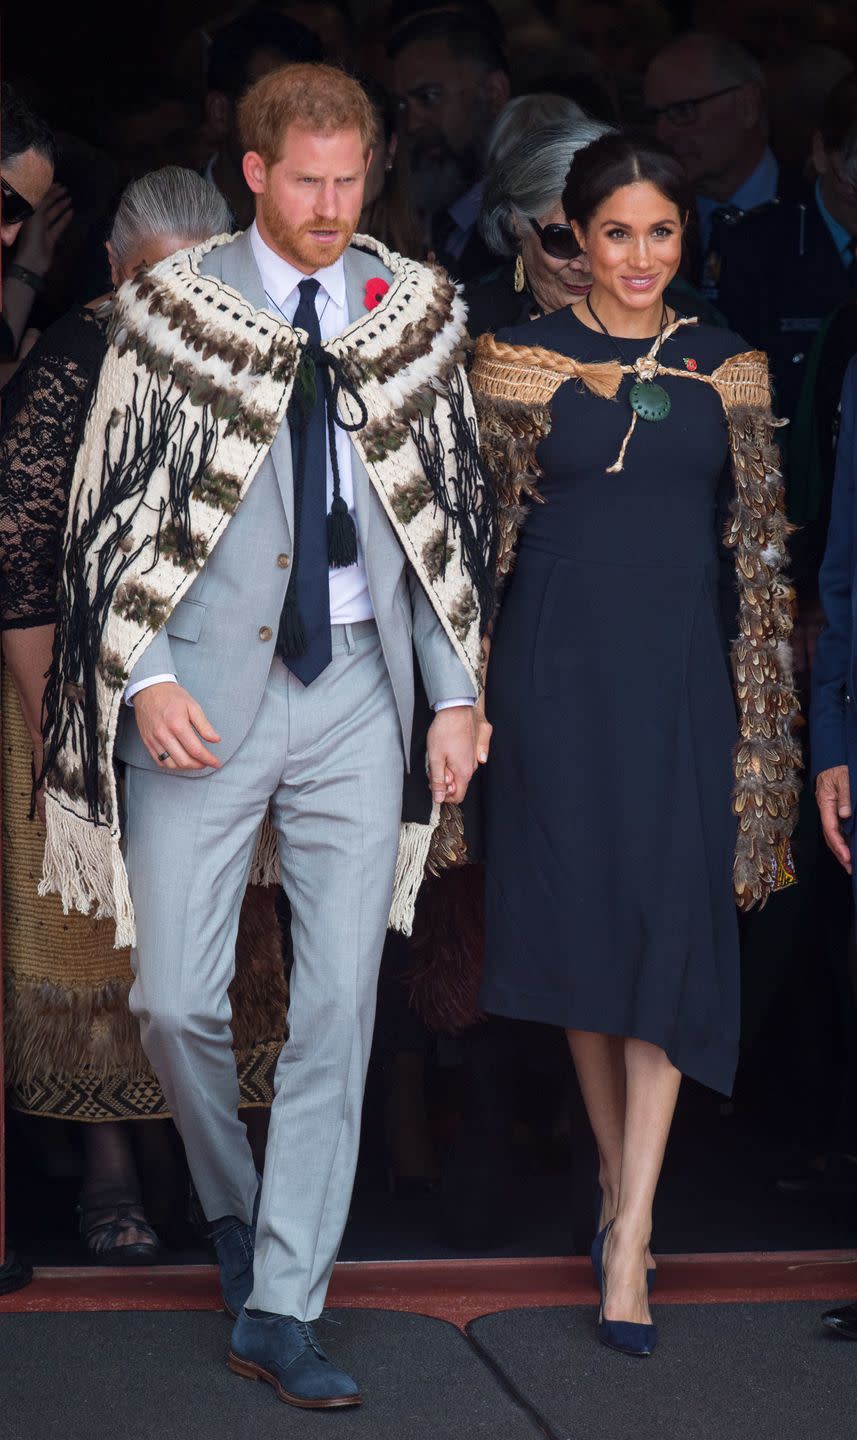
(685, 112)
(14, 208)
(556, 240)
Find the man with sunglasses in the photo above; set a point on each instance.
(27, 160)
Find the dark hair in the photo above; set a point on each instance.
(403, 13)
(463, 33)
(839, 115)
(233, 47)
(22, 129)
(623, 158)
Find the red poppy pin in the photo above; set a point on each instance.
(690, 363)
(375, 291)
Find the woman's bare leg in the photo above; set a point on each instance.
(600, 1064)
(652, 1085)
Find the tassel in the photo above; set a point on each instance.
(341, 536)
(291, 636)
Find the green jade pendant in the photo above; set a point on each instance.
(650, 401)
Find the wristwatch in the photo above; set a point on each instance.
(26, 277)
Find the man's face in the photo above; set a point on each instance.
(30, 175)
(446, 115)
(708, 136)
(308, 201)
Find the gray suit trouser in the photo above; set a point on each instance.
(329, 759)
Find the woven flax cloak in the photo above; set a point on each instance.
(193, 389)
(513, 386)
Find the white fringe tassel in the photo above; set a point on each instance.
(83, 865)
(414, 845)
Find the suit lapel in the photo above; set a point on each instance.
(240, 271)
(358, 269)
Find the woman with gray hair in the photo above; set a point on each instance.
(523, 223)
(72, 1050)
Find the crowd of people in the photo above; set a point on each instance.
(453, 393)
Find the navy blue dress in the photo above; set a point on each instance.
(610, 836)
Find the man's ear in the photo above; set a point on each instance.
(498, 89)
(255, 172)
(369, 154)
(751, 106)
(819, 154)
(219, 114)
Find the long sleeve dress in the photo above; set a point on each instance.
(610, 832)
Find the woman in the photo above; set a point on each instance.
(614, 730)
(522, 221)
(72, 1050)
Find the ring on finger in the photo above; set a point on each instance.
(164, 755)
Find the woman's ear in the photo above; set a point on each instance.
(579, 235)
(115, 273)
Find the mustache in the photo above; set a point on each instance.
(318, 223)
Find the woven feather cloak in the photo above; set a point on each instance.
(513, 386)
(193, 389)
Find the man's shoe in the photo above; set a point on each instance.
(843, 1320)
(285, 1352)
(234, 1243)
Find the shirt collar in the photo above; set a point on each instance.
(841, 237)
(760, 186)
(280, 278)
(465, 210)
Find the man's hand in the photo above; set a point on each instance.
(170, 722)
(451, 753)
(833, 794)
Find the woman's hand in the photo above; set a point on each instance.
(833, 795)
(484, 731)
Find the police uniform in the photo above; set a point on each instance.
(777, 271)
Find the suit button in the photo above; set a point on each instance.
(265, 632)
(283, 561)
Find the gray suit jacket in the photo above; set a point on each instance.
(219, 639)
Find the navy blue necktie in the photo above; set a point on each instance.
(303, 641)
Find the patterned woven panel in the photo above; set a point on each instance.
(92, 1099)
(72, 1049)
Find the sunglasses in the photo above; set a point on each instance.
(13, 208)
(556, 240)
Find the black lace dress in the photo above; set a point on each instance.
(44, 408)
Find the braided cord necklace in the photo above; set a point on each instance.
(647, 399)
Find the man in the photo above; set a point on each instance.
(30, 202)
(784, 267)
(705, 95)
(833, 715)
(279, 502)
(451, 80)
(242, 51)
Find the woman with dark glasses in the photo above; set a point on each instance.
(522, 223)
(27, 159)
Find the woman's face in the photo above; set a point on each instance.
(633, 244)
(554, 283)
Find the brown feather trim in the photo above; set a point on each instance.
(54, 1030)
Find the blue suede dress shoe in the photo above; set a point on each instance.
(285, 1352)
(234, 1243)
(624, 1335)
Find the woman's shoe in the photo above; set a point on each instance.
(624, 1335)
(104, 1226)
(651, 1274)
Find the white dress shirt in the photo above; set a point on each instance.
(350, 601)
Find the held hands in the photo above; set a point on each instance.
(458, 740)
(833, 795)
(171, 723)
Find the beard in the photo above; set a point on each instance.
(439, 175)
(295, 242)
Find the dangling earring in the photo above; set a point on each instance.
(520, 274)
